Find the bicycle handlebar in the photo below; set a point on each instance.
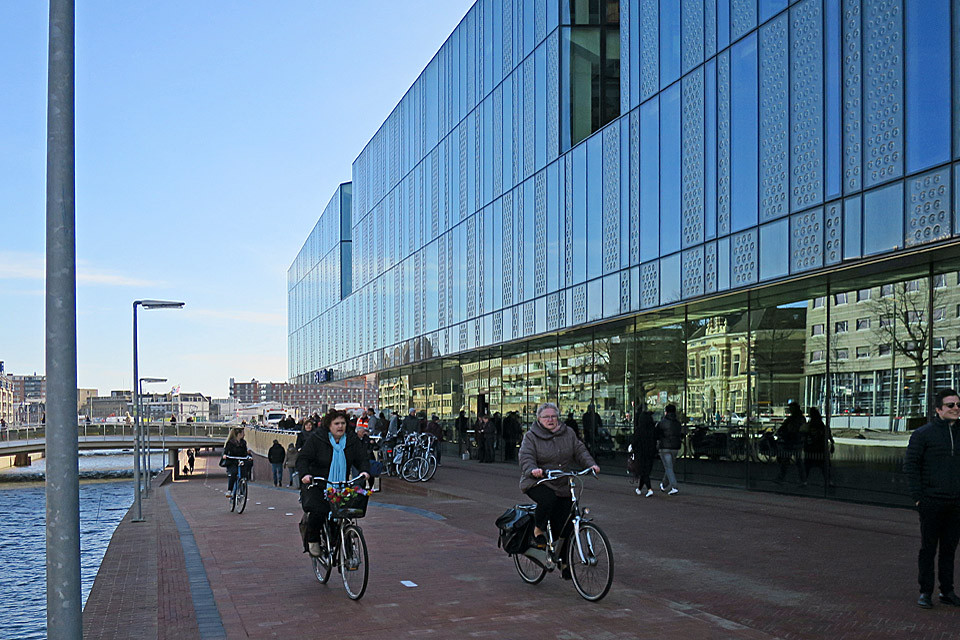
(237, 458)
(317, 480)
(554, 474)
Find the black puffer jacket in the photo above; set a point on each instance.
(932, 461)
(645, 437)
(317, 452)
(670, 432)
(276, 454)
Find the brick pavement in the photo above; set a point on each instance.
(710, 563)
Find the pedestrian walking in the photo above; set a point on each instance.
(644, 446)
(932, 466)
(276, 456)
(790, 443)
(191, 459)
(670, 436)
(818, 446)
(433, 428)
(290, 464)
(462, 426)
(511, 435)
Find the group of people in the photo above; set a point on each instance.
(805, 441)
(650, 439)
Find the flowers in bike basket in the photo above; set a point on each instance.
(344, 495)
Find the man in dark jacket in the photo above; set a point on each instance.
(410, 424)
(433, 428)
(276, 455)
(932, 465)
(644, 445)
(670, 436)
(462, 425)
(511, 435)
(790, 443)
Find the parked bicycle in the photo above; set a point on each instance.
(586, 554)
(341, 541)
(421, 462)
(238, 499)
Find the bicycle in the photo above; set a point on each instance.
(341, 541)
(422, 463)
(588, 556)
(238, 500)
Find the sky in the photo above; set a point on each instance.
(209, 137)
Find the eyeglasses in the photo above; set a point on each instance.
(951, 405)
(549, 416)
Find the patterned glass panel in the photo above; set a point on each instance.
(624, 291)
(692, 159)
(833, 233)
(540, 233)
(710, 268)
(649, 284)
(692, 273)
(744, 258)
(774, 124)
(568, 222)
(723, 143)
(635, 187)
(579, 304)
(508, 253)
(883, 90)
(625, 55)
(744, 17)
(806, 240)
(611, 199)
(692, 33)
(806, 99)
(553, 88)
(498, 141)
(529, 140)
(710, 22)
(434, 192)
(928, 207)
(649, 48)
(471, 266)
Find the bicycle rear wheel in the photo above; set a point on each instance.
(411, 469)
(593, 573)
(242, 495)
(354, 568)
(428, 468)
(530, 570)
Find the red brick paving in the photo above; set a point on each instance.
(709, 563)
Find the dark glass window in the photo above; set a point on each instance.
(589, 12)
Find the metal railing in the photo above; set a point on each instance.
(211, 430)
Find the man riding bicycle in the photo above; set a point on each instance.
(329, 452)
(235, 447)
(550, 444)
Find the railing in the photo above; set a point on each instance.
(158, 430)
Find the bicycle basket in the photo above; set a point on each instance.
(516, 529)
(348, 504)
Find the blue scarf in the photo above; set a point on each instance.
(338, 463)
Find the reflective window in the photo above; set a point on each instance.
(743, 132)
(883, 219)
(669, 41)
(927, 100)
(670, 170)
(650, 179)
(579, 231)
(594, 206)
(774, 260)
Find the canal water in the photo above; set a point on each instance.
(105, 498)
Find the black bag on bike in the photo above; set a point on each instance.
(313, 499)
(516, 530)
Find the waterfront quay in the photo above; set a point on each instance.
(708, 563)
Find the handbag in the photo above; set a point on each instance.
(223, 462)
(313, 498)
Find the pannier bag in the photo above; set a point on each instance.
(516, 528)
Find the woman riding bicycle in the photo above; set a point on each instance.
(550, 444)
(235, 447)
(329, 452)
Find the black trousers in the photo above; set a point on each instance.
(939, 527)
(550, 508)
(314, 524)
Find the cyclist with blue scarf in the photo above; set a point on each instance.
(330, 452)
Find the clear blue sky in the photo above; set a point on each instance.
(210, 135)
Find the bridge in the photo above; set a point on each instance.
(162, 435)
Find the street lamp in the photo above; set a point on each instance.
(146, 452)
(146, 304)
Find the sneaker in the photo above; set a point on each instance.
(950, 598)
(229, 494)
(637, 490)
(314, 548)
(925, 601)
(674, 491)
(661, 487)
(649, 493)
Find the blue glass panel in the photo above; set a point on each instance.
(769, 8)
(744, 17)
(723, 143)
(832, 92)
(487, 155)
(710, 149)
(806, 99)
(491, 283)
(529, 22)
(928, 83)
(723, 24)
(670, 170)
(553, 16)
(669, 41)
(852, 227)
(692, 18)
(670, 279)
(594, 206)
(649, 48)
(774, 238)
(625, 193)
(692, 158)
(883, 90)
(579, 231)
(650, 179)
(883, 219)
(529, 239)
(472, 160)
(496, 43)
(595, 299)
(540, 98)
(774, 119)
(743, 133)
(635, 53)
(625, 57)
(611, 197)
(611, 295)
(507, 147)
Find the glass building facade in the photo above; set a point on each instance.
(722, 204)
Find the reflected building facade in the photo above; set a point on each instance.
(726, 205)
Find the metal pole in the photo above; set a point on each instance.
(146, 448)
(136, 424)
(64, 607)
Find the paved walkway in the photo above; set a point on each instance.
(709, 563)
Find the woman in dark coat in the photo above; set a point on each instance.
(644, 445)
(329, 452)
(235, 447)
(308, 425)
(816, 451)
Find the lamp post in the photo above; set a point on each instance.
(146, 452)
(146, 304)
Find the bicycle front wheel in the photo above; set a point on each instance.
(242, 496)
(428, 468)
(411, 469)
(530, 570)
(353, 562)
(591, 562)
